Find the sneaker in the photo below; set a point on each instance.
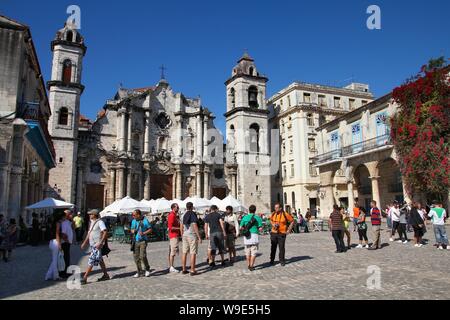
(272, 263)
(391, 239)
(448, 247)
(405, 242)
(137, 275)
(366, 246)
(441, 248)
(420, 245)
(184, 272)
(400, 241)
(147, 273)
(173, 270)
(359, 246)
(416, 245)
(105, 277)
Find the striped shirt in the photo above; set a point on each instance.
(375, 216)
(336, 221)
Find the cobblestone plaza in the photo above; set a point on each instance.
(313, 271)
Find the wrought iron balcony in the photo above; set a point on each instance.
(354, 149)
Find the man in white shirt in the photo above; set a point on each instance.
(438, 216)
(394, 213)
(96, 236)
(66, 240)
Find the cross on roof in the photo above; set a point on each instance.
(163, 68)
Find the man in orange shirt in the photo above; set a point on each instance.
(282, 224)
(355, 214)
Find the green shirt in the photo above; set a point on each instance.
(246, 219)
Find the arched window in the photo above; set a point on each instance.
(67, 72)
(63, 118)
(78, 38)
(253, 97)
(69, 36)
(233, 97)
(254, 138)
(250, 71)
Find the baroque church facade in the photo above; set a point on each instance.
(155, 142)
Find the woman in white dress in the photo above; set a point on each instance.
(55, 247)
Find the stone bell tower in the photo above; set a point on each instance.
(247, 120)
(65, 89)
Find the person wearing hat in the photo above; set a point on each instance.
(96, 238)
(79, 223)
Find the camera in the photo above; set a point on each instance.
(276, 226)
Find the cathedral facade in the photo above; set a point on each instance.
(155, 142)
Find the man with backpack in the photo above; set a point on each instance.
(251, 225)
(282, 224)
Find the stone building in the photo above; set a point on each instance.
(296, 112)
(26, 150)
(247, 120)
(357, 158)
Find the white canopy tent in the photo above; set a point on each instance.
(200, 204)
(161, 205)
(233, 202)
(123, 206)
(216, 201)
(50, 203)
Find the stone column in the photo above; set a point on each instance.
(198, 182)
(199, 136)
(24, 201)
(174, 185)
(351, 198)
(376, 191)
(147, 133)
(15, 190)
(122, 129)
(79, 197)
(130, 133)
(112, 183)
(4, 186)
(233, 185)
(406, 196)
(121, 183)
(179, 182)
(206, 173)
(129, 181)
(205, 140)
(147, 187)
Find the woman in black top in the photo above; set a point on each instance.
(417, 224)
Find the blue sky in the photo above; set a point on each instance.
(317, 41)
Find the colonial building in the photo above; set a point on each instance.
(357, 159)
(26, 149)
(296, 112)
(145, 143)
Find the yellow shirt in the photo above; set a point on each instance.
(78, 222)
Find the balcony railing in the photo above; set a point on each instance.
(354, 149)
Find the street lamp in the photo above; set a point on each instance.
(34, 166)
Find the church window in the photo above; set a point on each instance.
(67, 72)
(63, 118)
(337, 102)
(289, 101)
(218, 173)
(250, 71)
(233, 97)
(253, 97)
(96, 167)
(284, 149)
(61, 160)
(322, 100)
(254, 138)
(78, 39)
(292, 171)
(69, 36)
(162, 120)
(257, 188)
(291, 146)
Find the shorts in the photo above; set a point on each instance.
(190, 245)
(251, 250)
(95, 257)
(174, 244)
(216, 241)
(230, 242)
